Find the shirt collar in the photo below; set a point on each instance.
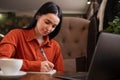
(30, 35)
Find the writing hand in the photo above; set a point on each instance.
(46, 66)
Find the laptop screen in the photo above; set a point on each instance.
(105, 64)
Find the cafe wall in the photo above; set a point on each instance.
(10, 21)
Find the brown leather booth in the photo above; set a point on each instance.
(73, 38)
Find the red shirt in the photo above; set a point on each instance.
(22, 44)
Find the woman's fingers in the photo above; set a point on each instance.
(51, 65)
(46, 66)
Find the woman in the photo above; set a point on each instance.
(35, 44)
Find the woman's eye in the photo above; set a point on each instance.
(54, 26)
(47, 22)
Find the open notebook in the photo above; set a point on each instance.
(50, 72)
(105, 64)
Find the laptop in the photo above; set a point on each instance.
(105, 63)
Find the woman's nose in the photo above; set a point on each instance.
(49, 28)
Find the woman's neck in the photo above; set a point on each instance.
(39, 38)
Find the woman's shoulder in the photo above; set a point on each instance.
(13, 35)
(15, 32)
(54, 42)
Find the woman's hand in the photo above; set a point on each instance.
(46, 66)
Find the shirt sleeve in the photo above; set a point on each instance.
(59, 66)
(58, 60)
(8, 51)
(31, 65)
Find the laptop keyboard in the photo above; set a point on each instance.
(76, 76)
(79, 77)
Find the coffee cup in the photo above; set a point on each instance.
(10, 66)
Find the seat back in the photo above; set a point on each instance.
(73, 38)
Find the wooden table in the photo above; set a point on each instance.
(29, 76)
(39, 77)
(33, 77)
(43, 76)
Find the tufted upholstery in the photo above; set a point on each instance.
(73, 38)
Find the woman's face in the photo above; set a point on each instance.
(46, 24)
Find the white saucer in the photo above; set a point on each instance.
(20, 73)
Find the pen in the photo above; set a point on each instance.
(43, 53)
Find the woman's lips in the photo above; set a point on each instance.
(46, 32)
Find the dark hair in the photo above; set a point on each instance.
(49, 7)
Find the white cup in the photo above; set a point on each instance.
(10, 66)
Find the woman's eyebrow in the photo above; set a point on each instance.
(51, 22)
